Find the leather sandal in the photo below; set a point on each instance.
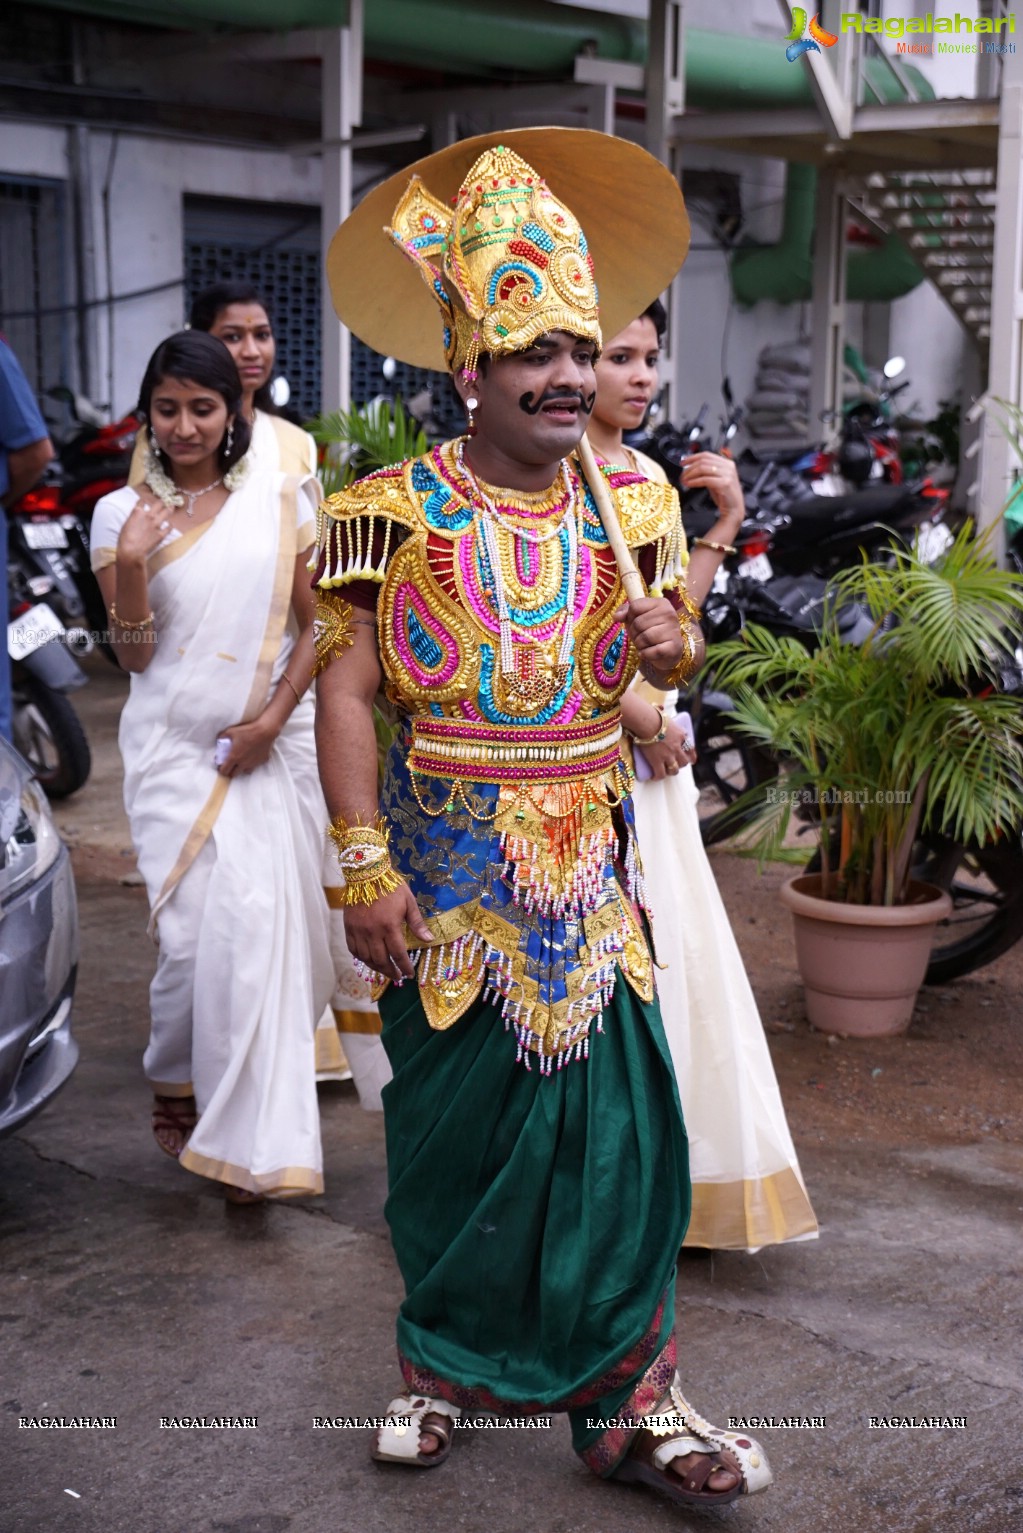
(177, 1116)
(409, 1416)
(242, 1196)
(656, 1448)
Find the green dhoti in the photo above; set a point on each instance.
(536, 1219)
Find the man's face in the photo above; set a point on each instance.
(534, 405)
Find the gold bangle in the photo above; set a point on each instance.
(365, 860)
(654, 739)
(120, 622)
(719, 548)
(291, 684)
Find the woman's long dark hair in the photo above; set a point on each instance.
(208, 304)
(194, 357)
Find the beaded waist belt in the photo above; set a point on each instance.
(523, 753)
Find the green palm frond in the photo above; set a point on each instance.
(359, 441)
(883, 735)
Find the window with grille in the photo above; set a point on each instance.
(277, 249)
(32, 279)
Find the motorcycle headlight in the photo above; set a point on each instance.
(29, 843)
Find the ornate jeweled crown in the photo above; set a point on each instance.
(509, 263)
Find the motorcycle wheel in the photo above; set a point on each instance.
(727, 766)
(49, 734)
(986, 885)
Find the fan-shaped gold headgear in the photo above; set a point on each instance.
(489, 229)
(508, 264)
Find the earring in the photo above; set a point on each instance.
(229, 440)
(471, 405)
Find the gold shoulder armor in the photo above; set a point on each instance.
(650, 514)
(355, 528)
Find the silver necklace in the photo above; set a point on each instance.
(191, 496)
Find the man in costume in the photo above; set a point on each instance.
(537, 1160)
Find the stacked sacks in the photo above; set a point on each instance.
(778, 408)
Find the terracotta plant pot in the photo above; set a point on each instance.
(862, 965)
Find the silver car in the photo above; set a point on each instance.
(38, 948)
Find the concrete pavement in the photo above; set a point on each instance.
(129, 1289)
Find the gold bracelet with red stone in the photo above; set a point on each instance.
(365, 859)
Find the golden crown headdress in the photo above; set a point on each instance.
(508, 264)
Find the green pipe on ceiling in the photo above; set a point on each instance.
(783, 273)
(494, 36)
(529, 35)
(516, 36)
(522, 36)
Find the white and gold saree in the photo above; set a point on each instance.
(231, 865)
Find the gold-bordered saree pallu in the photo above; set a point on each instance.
(748, 1189)
(541, 1276)
(238, 857)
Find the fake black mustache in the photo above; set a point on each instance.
(558, 396)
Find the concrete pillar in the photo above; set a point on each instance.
(341, 110)
(665, 100)
(998, 460)
(827, 310)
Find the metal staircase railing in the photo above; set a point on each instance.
(946, 219)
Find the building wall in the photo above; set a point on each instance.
(131, 210)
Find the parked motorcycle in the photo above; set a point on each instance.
(45, 727)
(789, 528)
(94, 456)
(51, 548)
(49, 526)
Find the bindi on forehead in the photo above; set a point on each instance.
(254, 320)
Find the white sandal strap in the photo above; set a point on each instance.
(678, 1447)
(401, 1435)
(706, 1438)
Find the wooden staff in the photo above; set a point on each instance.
(632, 580)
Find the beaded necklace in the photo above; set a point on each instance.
(490, 524)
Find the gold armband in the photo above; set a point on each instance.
(365, 860)
(688, 666)
(332, 630)
(690, 609)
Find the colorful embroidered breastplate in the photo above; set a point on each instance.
(506, 795)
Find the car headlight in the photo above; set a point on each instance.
(29, 843)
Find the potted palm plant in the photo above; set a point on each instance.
(883, 740)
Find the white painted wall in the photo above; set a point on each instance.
(138, 184)
(146, 179)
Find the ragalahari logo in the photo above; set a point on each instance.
(798, 44)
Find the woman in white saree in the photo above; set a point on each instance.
(747, 1187)
(237, 314)
(203, 572)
